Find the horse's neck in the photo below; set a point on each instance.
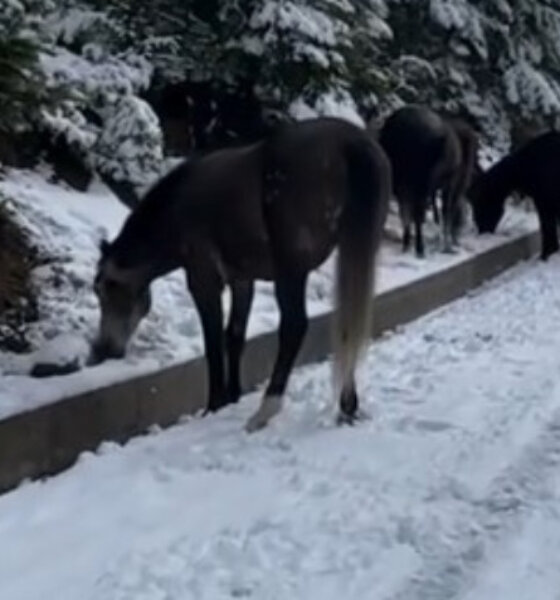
(503, 175)
(148, 257)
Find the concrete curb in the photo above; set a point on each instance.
(49, 439)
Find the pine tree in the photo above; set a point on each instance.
(21, 84)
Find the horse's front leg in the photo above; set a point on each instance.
(290, 294)
(206, 289)
(241, 299)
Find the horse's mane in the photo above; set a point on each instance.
(147, 222)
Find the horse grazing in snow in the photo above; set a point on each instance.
(274, 210)
(532, 170)
(427, 154)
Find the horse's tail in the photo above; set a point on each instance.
(362, 221)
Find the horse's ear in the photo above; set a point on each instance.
(104, 246)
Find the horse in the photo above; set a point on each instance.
(273, 210)
(532, 170)
(426, 155)
(469, 168)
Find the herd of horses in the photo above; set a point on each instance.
(276, 209)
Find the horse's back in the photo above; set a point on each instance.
(418, 124)
(543, 146)
(537, 163)
(315, 153)
(312, 137)
(286, 192)
(307, 167)
(415, 139)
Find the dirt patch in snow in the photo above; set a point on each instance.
(18, 304)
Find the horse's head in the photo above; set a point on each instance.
(124, 299)
(487, 203)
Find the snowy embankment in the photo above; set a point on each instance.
(68, 226)
(451, 491)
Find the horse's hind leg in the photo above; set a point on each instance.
(404, 212)
(419, 214)
(458, 220)
(450, 206)
(241, 300)
(435, 208)
(290, 294)
(349, 405)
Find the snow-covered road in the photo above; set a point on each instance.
(451, 491)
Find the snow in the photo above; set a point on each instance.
(67, 25)
(111, 77)
(130, 147)
(61, 350)
(451, 490)
(128, 144)
(306, 21)
(461, 16)
(313, 33)
(331, 104)
(68, 227)
(530, 89)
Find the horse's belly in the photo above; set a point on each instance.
(249, 261)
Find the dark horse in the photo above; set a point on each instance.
(468, 141)
(533, 170)
(274, 210)
(426, 155)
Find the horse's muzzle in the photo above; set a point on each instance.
(102, 351)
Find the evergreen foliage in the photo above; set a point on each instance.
(495, 60)
(21, 82)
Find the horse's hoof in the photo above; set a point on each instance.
(345, 419)
(547, 254)
(352, 419)
(256, 423)
(269, 408)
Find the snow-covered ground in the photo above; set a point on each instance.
(450, 491)
(68, 227)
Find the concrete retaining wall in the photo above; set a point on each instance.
(49, 439)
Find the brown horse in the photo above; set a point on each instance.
(468, 168)
(274, 211)
(426, 154)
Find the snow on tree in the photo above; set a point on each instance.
(531, 91)
(129, 147)
(101, 116)
(495, 61)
